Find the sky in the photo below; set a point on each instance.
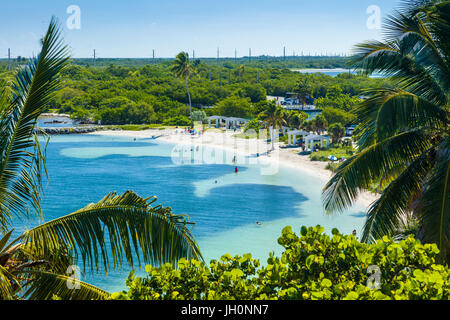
(134, 28)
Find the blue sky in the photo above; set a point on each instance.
(133, 28)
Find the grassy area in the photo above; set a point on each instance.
(137, 127)
(332, 166)
(140, 127)
(337, 151)
(214, 130)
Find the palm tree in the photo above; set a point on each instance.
(304, 90)
(320, 124)
(273, 117)
(183, 69)
(294, 119)
(405, 131)
(116, 229)
(337, 131)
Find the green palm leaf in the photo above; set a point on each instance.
(434, 207)
(387, 213)
(394, 110)
(32, 89)
(415, 115)
(62, 287)
(7, 281)
(133, 226)
(182, 68)
(363, 168)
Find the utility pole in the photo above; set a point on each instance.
(9, 58)
(284, 53)
(94, 58)
(153, 56)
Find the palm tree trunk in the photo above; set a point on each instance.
(190, 104)
(273, 137)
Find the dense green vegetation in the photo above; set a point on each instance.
(297, 62)
(152, 94)
(313, 266)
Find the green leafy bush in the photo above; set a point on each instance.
(177, 121)
(313, 266)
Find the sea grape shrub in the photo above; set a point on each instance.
(313, 266)
(338, 267)
(228, 278)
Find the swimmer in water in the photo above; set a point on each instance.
(354, 233)
(258, 223)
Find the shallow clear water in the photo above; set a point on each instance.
(337, 71)
(224, 205)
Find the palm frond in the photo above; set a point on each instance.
(32, 89)
(43, 285)
(416, 54)
(56, 261)
(434, 206)
(7, 282)
(132, 226)
(358, 172)
(387, 213)
(4, 240)
(400, 110)
(404, 59)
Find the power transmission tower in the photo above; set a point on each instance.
(153, 56)
(284, 53)
(9, 58)
(193, 54)
(94, 58)
(218, 55)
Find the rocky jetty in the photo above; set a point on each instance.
(72, 130)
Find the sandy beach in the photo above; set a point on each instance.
(245, 147)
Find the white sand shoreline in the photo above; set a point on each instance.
(284, 156)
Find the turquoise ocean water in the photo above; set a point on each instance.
(224, 205)
(335, 72)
